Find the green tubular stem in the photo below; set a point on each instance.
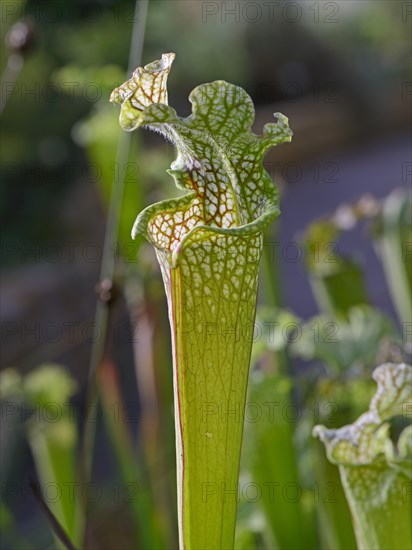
(381, 515)
(209, 409)
(393, 250)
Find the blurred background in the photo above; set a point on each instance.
(336, 279)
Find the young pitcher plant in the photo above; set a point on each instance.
(374, 455)
(208, 243)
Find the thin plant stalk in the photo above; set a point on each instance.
(108, 259)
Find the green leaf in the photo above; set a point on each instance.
(337, 282)
(53, 437)
(374, 455)
(271, 456)
(208, 243)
